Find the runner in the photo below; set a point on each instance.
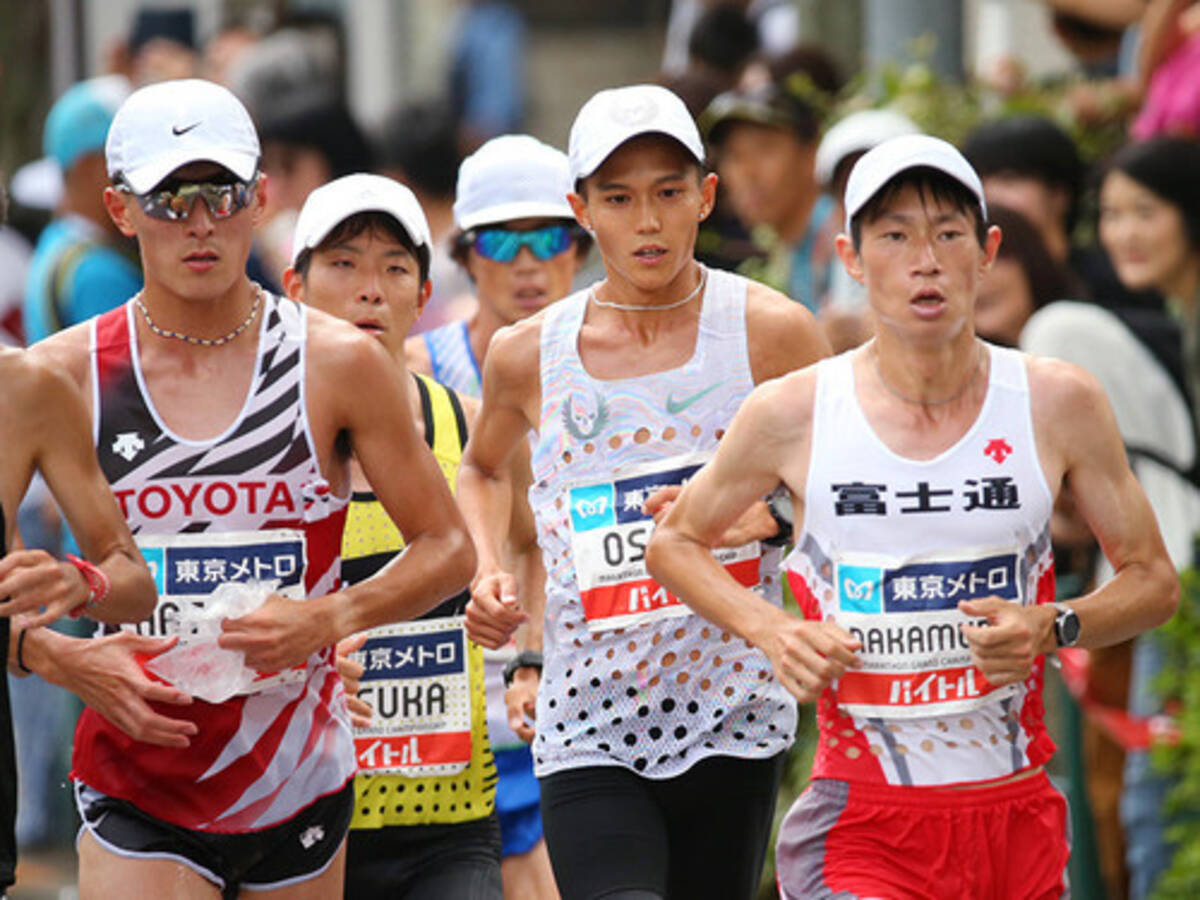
(424, 823)
(924, 467)
(44, 422)
(518, 240)
(659, 740)
(224, 428)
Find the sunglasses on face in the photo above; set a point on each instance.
(174, 202)
(502, 245)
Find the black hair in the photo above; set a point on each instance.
(723, 38)
(1169, 167)
(372, 221)
(931, 185)
(326, 126)
(421, 139)
(1022, 243)
(1029, 146)
(461, 241)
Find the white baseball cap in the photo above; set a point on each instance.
(513, 176)
(857, 132)
(331, 204)
(882, 163)
(172, 123)
(616, 115)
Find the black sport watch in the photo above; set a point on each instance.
(526, 659)
(1066, 626)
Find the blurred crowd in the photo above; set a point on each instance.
(1100, 261)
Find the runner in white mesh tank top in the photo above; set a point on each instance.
(923, 467)
(659, 735)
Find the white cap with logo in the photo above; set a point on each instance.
(331, 204)
(173, 123)
(513, 176)
(614, 116)
(884, 162)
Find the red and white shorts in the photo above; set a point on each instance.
(858, 841)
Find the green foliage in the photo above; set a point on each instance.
(1180, 762)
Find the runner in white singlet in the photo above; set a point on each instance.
(923, 469)
(659, 735)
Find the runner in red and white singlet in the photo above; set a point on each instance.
(224, 428)
(923, 468)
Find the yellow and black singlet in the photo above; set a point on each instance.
(426, 759)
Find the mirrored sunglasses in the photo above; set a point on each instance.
(175, 203)
(502, 245)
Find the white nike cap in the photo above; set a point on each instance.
(884, 162)
(513, 176)
(172, 123)
(331, 204)
(857, 132)
(614, 116)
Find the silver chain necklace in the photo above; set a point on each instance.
(899, 396)
(202, 342)
(638, 307)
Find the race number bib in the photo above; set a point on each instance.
(609, 533)
(417, 679)
(187, 568)
(915, 660)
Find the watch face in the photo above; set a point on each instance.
(1068, 627)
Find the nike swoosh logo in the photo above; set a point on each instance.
(675, 407)
(177, 131)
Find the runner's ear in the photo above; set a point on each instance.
(116, 203)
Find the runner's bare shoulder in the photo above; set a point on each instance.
(339, 350)
(67, 350)
(514, 355)
(1062, 392)
(783, 335)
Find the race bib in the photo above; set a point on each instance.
(187, 568)
(609, 533)
(915, 660)
(417, 679)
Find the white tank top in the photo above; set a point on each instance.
(632, 677)
(889, 547)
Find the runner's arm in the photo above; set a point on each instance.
(37, 585)
(750, 461)
(1074, 420)
(373, 410)
(485, 480)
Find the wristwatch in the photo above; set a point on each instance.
(1066, 626)
(779, 505)
(526, 659)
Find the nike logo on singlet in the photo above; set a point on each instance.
(177, 131)
(674, 407)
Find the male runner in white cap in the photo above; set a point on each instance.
(923, 468)
(517, 239)
(424, 824)
(225, 429)
(659, 737)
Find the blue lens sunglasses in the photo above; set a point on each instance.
(502, 244)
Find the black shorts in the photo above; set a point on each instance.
(701, 835)
(296, 850)
(425, 862)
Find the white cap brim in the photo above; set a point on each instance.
(331, 204)
(508, 212)
(143, 179)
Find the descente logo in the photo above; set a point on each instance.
(214, 498)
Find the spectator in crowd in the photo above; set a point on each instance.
(487, 72)
(305, 143)
(418, 146)
(81, 265)
(722, 42)
(1030, 164)
(776, 23)
(1023, 279)
(161, 46)
(765, 139)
